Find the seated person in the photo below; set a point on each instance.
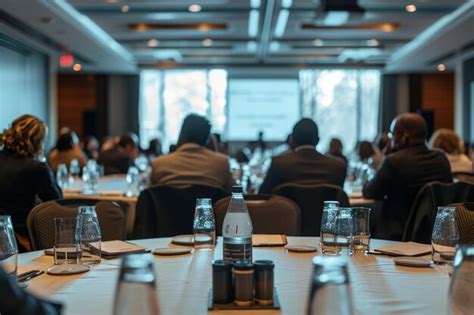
(304, 164)
(192, 163)
(24, 178)
(403, 173)
(335, 150)
(91, 147)
(67, 149)
(449, 142)
(117, 159)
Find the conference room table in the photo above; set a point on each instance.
(378, 285)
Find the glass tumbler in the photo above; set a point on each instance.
(90, 176)
(330, 291)
(136, 289)
(8, 246)
(360, 240)
(132, 181)
(344, 225)
(445, 236)
(66, 241)
(204, 225)
(90, 235)
(62, 176)
(327, 237)
(461, 290)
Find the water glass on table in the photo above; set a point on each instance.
(204, 225)
(327, 237)
(445, 236)
(90, 176)
(66, 241)
(88, 229)
(8, 246)
(132, 179)
(62, 176)
(360, 240)
(344, 225)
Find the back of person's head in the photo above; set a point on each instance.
(446, 140)
(195, 129)
(365, 150)
(25, 138)
(128, 140)
(335, 146)
(408, 129)
(305, 132)
(67, 141)
(91, 143)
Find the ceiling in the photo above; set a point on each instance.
(162, 33)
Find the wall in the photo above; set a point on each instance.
(437, 95)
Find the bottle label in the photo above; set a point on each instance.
(233, 252)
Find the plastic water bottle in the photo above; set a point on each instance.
(237, 229)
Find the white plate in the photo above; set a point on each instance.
(171, 251)
(301, 248)
(412, 262)
(188, 239)
(62, 270)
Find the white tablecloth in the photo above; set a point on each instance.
(378, 286)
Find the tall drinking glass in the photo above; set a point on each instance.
(8, 246)
(461, 301)
(132, 181)
(88, 229)
(360, 240)
(330, 291)
(66, 241)
(204, 225)
(62, 176)
(327, 239)
(344, 225)
(136, 289)
(74, 170)
(445, 236)
(90, 176)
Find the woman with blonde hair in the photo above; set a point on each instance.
(24, 176)
(449, 142)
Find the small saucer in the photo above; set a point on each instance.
(171, 251)
(412, 262)
(186, 240)
(67, 269)
(301, 248)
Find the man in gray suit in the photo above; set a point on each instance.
(192, 163)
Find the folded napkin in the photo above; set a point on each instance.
(405, 249)
(269, 240)
(116, 248)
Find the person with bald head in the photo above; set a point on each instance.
(403, 172)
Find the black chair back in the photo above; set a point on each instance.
(168, 211)
(420, 222)
(270, 214)
(465, 220)
(310, 199)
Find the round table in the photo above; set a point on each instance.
(378, 286)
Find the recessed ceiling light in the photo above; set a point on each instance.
(318, 42)
(125, 8)
(372, 42)
(77, 67)
(207, 42)
(388, 27)
(410, 8)
(194, 8)
(152, 42)
(441, 67)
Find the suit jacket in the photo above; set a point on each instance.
(398, 181)
(304, 165)
(115, 161)
(22, 182)
(192, 164)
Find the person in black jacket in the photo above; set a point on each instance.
(24, 178)
(304, 164)
(403, 173)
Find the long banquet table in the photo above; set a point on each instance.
(378, 286)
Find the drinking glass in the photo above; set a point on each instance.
(330, 291)
(74, 170)
(89, 231)
(62, 176)
(344, 225)
(445, 236)
(132, 181)
(327, 237)
(204, 225)
(66, 241)
(360, 239)
(90, 176)
(136, 289)
(462, 281)
(8, 247)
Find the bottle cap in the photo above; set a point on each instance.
(264, 265)
(237, 189)
(221, 265)
(243, 265)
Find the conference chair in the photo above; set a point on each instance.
(464, 177)
(310, 199)
(270, 214)
(40, 221)
(422, 215)
(465, 220)
(168, 211)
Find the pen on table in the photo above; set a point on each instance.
(29, 276)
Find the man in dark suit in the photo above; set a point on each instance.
(403, 173)
(304, 164)
(118, 159)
